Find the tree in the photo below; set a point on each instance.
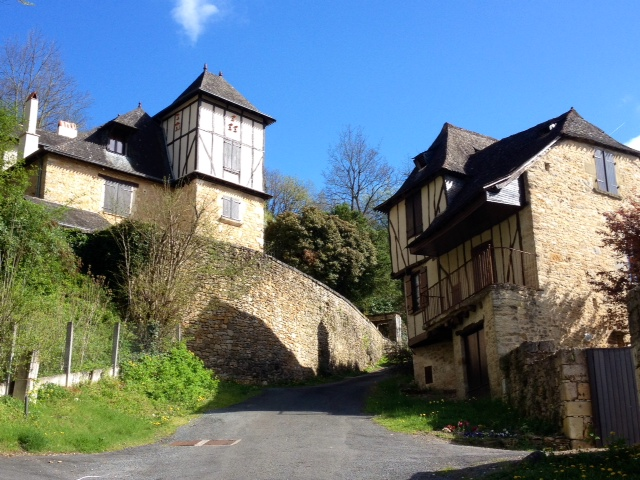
(326, 247)
(36, 66)
(288, 193)
(357, 174)
(623, 237)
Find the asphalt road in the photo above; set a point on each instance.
(293, 433)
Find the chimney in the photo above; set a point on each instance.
(67, 129)
(29, 139)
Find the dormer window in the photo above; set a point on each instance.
(117, 144)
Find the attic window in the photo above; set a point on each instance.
(117, 144)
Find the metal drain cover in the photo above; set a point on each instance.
(201, 443)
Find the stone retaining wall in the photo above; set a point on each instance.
(551, 385)
(265, 321)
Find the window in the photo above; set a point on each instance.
(117, 145)
(413, 208)
(117, 197)
(416, 291)
(231, 208)
(231, 157)
(606, 172)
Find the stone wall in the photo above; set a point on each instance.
(268, 322)
(551, 385)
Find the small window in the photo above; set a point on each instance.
(231, 157)
(413, 208)
(416, 291)
(606, 172)
(118, 197)
(117, 145)
(428, 375)
(231, 208)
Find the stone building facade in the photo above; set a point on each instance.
(496, 241)
(210, 139)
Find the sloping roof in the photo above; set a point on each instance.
(73, 217)
(145, 155)
(216, 86)
(449, 152)
(505, 160)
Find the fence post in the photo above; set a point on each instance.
(11, 355)
(114, 349)
(67, 353)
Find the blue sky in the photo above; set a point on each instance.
(399, 70)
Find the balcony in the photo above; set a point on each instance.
(489, 266)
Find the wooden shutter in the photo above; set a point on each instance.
(601, 176)
(424, 289)
(110, 196)
(610, 170)
(123, 200)
(226, 207)
(235, 161)
(408, 294)
(235, 209)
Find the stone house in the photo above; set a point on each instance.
(210, 139)
(496, 241)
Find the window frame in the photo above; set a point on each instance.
(120, 201)
(231, 208)
(117, 144)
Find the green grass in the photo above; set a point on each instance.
(101, 417)
(617, 462)
(412, 413)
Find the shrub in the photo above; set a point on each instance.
(32, 440)
(176, 376)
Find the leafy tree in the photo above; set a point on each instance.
(36, 66)
(357, 174)
(288, 193)
(325, 246)
(623, 237)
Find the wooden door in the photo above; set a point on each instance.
(476, 364)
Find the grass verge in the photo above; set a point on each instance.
(426, 413)
(100, 417)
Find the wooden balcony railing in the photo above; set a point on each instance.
(493, 265)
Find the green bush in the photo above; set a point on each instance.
(32, 440)
(51, 391)
(176, 376)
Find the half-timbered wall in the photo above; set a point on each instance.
(200, 135)
(434, 202)
(509, 234)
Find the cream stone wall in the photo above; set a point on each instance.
(248, 232)
(566, 216)
(79, 185)
(438, 356)
(267, 322)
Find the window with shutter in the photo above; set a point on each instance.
(606, 172)
(231, 157)
(231, 208)
(118, 197)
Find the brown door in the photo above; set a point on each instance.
(483, 266)
(476, 362)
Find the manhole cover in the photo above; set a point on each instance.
(200, 443)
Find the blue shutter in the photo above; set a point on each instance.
(601, 176)
(610, 169)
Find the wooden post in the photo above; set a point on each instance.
(67, 353)
(11, 355)
(114, 349)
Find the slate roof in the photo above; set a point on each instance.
(145, 156)
(449, 152)
(504, 160)
(74, 217)
(216, 86)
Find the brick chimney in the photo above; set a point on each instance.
(67, 129)
(29, 139)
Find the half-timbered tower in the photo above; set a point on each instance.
(210, 139)
(495, 241)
